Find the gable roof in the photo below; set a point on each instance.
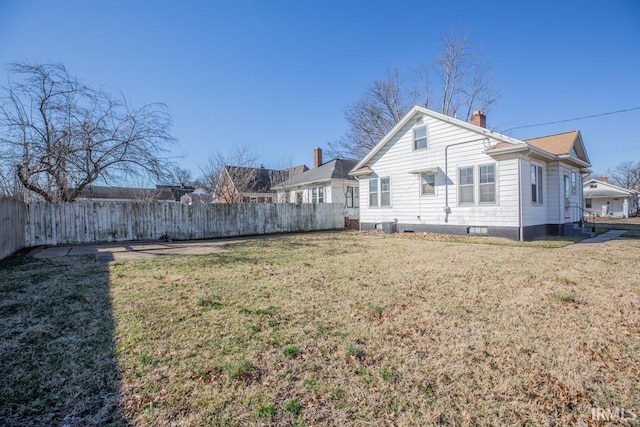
(567, 146)
(265, 178)
(421, 110)
(595, 188)
(333, 169)
(565, 143)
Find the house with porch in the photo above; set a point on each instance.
(602, 198)
(434, 173)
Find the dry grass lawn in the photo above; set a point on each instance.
(325, 329)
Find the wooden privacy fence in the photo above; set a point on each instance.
(13, 220)
(84, 222)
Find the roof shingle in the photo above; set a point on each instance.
(560, 143)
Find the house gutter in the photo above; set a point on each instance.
(447, 209)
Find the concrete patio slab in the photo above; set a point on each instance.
(136, 250)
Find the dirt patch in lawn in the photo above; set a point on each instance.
(355, 329)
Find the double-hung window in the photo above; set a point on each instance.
(487, 183)
(536, 184)
(428, 183)
(373, 192)
(574, 182)
(465, 186)
(385, 191)
(477, 184)
(353, 197)
(317, 194)
(380, 192)
(420, 137)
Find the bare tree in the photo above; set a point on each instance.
(456, 84)
(280, 178)
(371, 117)
(178, 176)
(627, 175)
(59, 135)
(228, 176)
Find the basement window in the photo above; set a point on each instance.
(474, 229)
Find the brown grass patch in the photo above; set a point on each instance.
(366, 329)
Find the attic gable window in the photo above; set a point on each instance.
(420, 137)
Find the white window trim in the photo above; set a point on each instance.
(476, 185)
(435, 187)
(379, 192)
(315, 194)
(495, 184)
(380, 201)
(424, 138)
(353, 198)
(539, 185)
(472, 185)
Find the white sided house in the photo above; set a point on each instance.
(434, 173)
(604, 199)
(328, 182)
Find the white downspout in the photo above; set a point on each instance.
(520, 189)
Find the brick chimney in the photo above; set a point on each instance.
(604, 178)
(479, 119)
(317, 157)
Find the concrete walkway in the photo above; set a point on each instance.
(604, 237)
(136, 250)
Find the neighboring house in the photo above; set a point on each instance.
(162, 193)
(240, 184)
(604, 199)
(199, 195)
(325, 183)
(434, 173)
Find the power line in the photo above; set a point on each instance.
(577, 118)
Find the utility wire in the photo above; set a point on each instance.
(577, 118)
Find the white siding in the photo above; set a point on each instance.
(398, 159)
(552, 210)
(334, 192)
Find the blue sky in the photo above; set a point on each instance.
(277, 75)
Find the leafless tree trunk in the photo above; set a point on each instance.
(61, 135)
(456, 84)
